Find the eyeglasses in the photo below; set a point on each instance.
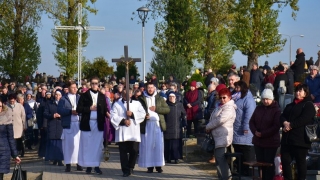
(94, 83)
(223, 97)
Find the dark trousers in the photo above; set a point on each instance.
(29, 137)
(195, 125)
(132, 148)
(1, 176)
(35, 137)
(43, 143)
(20, 145)
(288, 152)
(247, 155)
(266, 155)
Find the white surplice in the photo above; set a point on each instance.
(118, 113)
(151, 151)
(71, 137)
(91, 142)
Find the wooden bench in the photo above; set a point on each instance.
(254, 164)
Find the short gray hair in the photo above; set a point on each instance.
(174, 84)
(235, 75)
(285, 65)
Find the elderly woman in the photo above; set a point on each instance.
(172, 136)
(29, 117)
(265, 125)
(52, 122)
(221, 127)
(313, 82)
(7, 143)
(192, 104)
(16, 111)
(294, 143)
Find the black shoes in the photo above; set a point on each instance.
(150, 171)
(126, 174)
(159, 170)
(176, 161)
(55, 163)
(68, 168)
(97, 170)
(60, 163)
(89, 169)
(79, 168)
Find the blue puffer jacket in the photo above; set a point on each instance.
(7, 147)
(314, 87)
(244, 111)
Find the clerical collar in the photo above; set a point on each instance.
(125, 101)
(93, 91)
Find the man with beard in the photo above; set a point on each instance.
(93, 109)
(127, 125)
(152, 146)
(298, 65)
(70, 122)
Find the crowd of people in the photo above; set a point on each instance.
(71, 125)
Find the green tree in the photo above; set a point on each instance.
(255, 30)
(99, 67)
(166, 64)
(19, 48)
(180, 31)
(216, 50)
(64, 13)
(121, 70)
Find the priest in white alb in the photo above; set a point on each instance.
(93, 109)
(127, 126)
(151, 151)
(70, 123)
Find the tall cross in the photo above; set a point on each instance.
(80, 28)
(127, 60)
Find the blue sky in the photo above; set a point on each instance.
(115, 16)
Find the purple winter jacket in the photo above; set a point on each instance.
(266, 120)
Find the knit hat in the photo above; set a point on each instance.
(193, 84)
(220, 86)
(267, 94)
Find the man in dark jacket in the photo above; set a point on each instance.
(256, 77)
(290, 76)
(93, 109)
(209, 77)
(298, 65)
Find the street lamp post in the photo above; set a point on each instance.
(290, 37)
(143, 13)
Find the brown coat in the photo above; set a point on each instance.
(246, 77)
(18, 116)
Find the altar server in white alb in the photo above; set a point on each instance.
(92, 108)
(127, 126)
(70, 123)
(151, 152)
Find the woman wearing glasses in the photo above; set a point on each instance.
(221, 127)
(7, 142)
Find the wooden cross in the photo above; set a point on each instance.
(80, 28)
(127, 60)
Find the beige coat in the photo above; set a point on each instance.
(18, 116)
(221, 124)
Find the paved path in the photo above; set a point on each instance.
(111, 170)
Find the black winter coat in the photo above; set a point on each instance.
(290, 76)
(174, 120)
(266, 120)
(39, 113)
(207, 81)
(7, 147)
(256, 78)
(83, 108)
(298, 66)
(53, 125)
(299, 115)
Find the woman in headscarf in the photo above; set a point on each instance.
(175, 120)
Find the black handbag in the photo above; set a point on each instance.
(18, 173)
(208, 144)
